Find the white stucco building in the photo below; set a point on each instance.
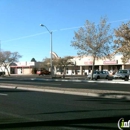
(20, 67)
(84, 65)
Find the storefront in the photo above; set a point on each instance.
(84, 64)
(22, 67)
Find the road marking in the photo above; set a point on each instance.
(84, 83)
(50, 83)
(3, 94)
(41, 83)
(17, 117)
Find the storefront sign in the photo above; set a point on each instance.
(25, 64)
(30, 63)
(21, 63)
(88, 62)
(110, 62)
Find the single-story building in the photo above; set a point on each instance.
(83, 65)
(20, 67)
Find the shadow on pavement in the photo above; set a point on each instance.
(124, 96)
(13, 90)
(102, 123)
(106, 98)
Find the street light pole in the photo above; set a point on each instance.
(50, 47)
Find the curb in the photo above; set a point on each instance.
(77, 80)
(119, 96)
(90, 94)
(72, 80)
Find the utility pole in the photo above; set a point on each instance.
(52, 72)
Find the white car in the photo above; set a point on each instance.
(122, 74)
(99, 75)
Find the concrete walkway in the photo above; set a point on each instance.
(81, 92)
(72, 91)
(83, 80)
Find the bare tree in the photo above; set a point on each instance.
(94, 40)
(7, 57)
(122, 42)
(64, 62)
(45, 64)
(60, 63)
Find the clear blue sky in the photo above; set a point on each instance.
(20, 21)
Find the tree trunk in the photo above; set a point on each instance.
(64, 71)
(1, 68)
(93, 67)
(6, 69)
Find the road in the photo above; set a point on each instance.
(37, 110)
(60, 84)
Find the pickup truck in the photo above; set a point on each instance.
(122, 74)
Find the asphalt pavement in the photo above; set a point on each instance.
(23, 110)
(71, 103)
(73, 91)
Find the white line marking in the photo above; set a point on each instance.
(49, 83)
(3, 94)
(84, 83)
(18, 116)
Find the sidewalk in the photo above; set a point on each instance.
(70, 79)
(81, 92)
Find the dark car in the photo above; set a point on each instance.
(43, 72)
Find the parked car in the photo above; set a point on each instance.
(99, 75)
(43, 72)
(122, 74)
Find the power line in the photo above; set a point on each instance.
(56, 30)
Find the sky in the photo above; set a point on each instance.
(20, 20)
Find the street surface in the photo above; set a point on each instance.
(77, 85)
(20, 109)
(27, 109)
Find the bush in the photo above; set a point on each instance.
(34, 70)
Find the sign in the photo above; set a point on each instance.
(25, 64)
(110, 62)
(30, 63)
(21, 63)
(88, 62)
